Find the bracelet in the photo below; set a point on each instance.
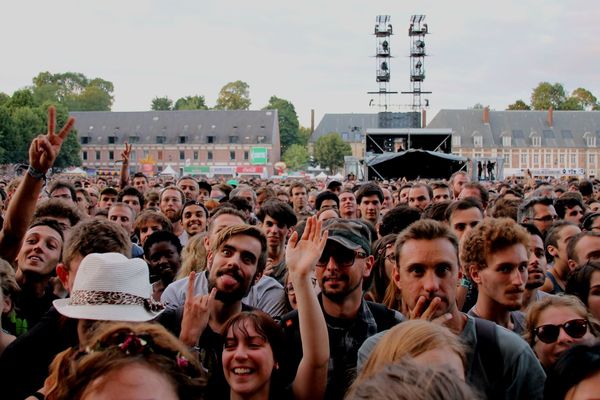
(34, 173)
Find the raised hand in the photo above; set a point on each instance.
(45, 148)
(426, 310)
(196, 312)
(302, 254)
(125, 153)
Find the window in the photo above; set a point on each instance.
(548, 160)
(112, 139)
(455, 140)
(133, 156)
(84, 155)
(477, 141)
(562, 159)
(246, 155)
(591, 141)
(210, 139)
(536, 159)
(507, 158)
(133, 139)
(111, 155)
(232, 155)
(181, 155)
(524, 160)
(161, 139)
(85, 139)
(209, 156)
(506, 141)
(573, 160)
(536, 141)
(260, 139)
(592, 158)
(195, 155)
(233, 139)
(97, 154)
(182, 139)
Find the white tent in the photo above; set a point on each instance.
(75, 171)
(168, 171)
(322, 176)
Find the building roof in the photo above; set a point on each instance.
(250, 127)
(568, 128)
(351, 127)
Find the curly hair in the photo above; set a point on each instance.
(490, 236)
(117, 346)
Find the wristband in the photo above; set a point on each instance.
(34, 173)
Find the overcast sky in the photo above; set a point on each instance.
(317, 54)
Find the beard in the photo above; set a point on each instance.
(340, 294)
(233, 296)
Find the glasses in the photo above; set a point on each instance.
(576, 328)
(343, 258)
(547, 218)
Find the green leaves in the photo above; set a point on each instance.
(330, 150)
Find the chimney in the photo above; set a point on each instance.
(312, 120)
(486, 115)
(550, 117)
(423, 118)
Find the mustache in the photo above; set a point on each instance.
(334, 277)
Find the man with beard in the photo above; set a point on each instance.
(496, 255)
(498, 362)
(171, 203)
(162, 252)
(344, 263)
(266, 294)
(536, 268)
(236, 257)
(277, 219)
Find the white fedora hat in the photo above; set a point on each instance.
(110, 287)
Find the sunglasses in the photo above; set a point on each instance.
(576, 328)
(342, 257)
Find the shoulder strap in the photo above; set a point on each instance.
(488, 349)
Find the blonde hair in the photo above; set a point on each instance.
(193, 256)
(568, 301)
(409, 339)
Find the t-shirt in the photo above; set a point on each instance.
(266, 295)
(523, 376)
(516, 317)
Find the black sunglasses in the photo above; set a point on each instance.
(343, 258)
(576, 328)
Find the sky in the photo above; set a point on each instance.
(316, 54)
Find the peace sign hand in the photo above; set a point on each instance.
(125, 153)
(45, 148)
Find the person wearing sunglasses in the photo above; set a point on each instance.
(343, 265)
(557, 323)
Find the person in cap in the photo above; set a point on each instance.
(344, 263)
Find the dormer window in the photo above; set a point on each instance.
(478, 141)
(536, 141)
(590, 139)
(506, 141)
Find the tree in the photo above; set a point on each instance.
(546, 95)
(584, 98)
(190, 103)
(69, 153)
(304, 135)
(73, 90)
(234, 96)
(296, 157)
(478, 106)
(519, 105)
(330, 150)
(288, 121)
(162, 104)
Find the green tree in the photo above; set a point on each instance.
(585, 99)
(4, 98)
(69, 153)
(296, 157)
(234, 96)
(547, 95)
(304, 135)
(191, 103)
(519, 105)
(74, 90)
(478, 106)
(288, 121)
(330, 150)
(21, 98)
(162, 104)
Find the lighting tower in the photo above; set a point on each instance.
(383, 55)
(416, 32)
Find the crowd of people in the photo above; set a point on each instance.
(192, 288)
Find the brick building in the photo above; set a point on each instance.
(198, 142)
(549, 143)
